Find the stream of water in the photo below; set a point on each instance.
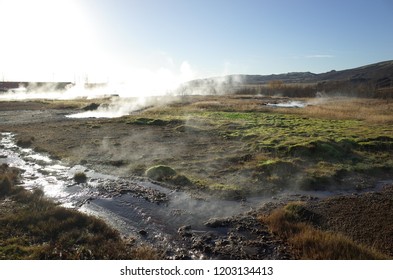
(125, 203)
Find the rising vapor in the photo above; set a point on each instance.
(142, 88)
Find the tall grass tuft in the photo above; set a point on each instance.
(311, 243)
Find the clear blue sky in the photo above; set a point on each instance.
(190, 38)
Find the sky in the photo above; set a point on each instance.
(171, 41)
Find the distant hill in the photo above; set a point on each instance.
(374, 80)
(382, 71)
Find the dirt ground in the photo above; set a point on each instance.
(366, 218)
(125, 149)
(109, 145)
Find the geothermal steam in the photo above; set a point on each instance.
(143, 88)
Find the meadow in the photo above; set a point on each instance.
(235, 147)
(329, 144)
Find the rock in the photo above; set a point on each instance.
(215, 223)
(184, 231)
(91, 107)
(25, 142)
(143, 232)
(184, 228)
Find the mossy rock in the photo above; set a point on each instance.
(323, 150)
(160, 173)
(277, 167)
(91, 107)
(181, 180)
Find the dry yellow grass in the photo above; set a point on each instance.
(311, 243)
(375, 111)
(145, 252)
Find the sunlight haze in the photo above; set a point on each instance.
(174, 41)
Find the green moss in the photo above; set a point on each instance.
(316, 150)
(181, 180)
(160, 172)
(296, 211)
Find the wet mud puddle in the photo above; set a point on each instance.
(136, 207)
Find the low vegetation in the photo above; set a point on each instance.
(236, 143)
(160, 173)
(167, 174)
(263, 149)
(80, 177)
(293, 223)
(34, 227)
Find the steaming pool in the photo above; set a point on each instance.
(290, 104)
(124, 106)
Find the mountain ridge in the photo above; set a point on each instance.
(383, 69)
(372, 80)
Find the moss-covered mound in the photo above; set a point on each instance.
(160, 173)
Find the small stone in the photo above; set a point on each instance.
(143, 232)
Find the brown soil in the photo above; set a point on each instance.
(366, 218)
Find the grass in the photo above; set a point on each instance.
(314, 144)
(238, 142)
(34, 227)
(374, 111)
(80, 177)
(293, 224)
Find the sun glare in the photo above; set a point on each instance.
(46, 39)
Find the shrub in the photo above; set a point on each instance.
(80, 177)
(5, 185)
(8, 177)
(25, 142)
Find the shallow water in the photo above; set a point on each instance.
(120, 201)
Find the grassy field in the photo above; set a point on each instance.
(230, 146)
(333, 143)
